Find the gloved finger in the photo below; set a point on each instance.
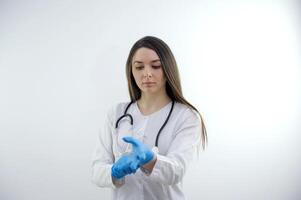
(120, 170)
(141, 156)
(134, 166)
(114, 169)
(116, 173)
(131, 140)
(126, 170)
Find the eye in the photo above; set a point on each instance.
(156, 66)
(139, 67)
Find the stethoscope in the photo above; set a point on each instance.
(131, 120)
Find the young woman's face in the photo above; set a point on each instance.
(147, 71)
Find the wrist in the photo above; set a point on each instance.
(148, 167)
(118, 182)
(115, 173)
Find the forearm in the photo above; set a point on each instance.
(170, 169)
(101, 175)
(167, 170)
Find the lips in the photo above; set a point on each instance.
(149, 84)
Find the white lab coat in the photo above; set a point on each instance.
(177, 146)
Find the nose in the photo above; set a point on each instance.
(147, 74)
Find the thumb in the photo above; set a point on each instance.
(131, 140)
(141, 156)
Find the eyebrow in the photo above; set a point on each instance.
(137, 61)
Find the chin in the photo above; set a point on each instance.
(150, 90)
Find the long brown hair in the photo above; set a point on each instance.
(170, 70)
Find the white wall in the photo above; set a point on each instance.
(63, 62)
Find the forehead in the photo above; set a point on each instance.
(145, 55)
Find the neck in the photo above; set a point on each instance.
(149, 103)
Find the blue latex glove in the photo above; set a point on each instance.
(140, 150)
(127, 164)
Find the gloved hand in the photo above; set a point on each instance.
(127, 164)
(140, 150)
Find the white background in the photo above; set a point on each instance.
(62, 64)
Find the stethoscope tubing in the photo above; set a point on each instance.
(125, 114)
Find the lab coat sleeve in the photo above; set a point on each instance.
(102, 158)
(170, 169)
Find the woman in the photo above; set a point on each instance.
(148, 143)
